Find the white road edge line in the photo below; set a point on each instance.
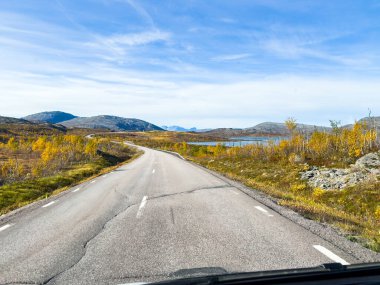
(5, 227)
(330, 254)
(93, 181)
(49, 204)
(105, 175)
(153, 171)
(263, 210)
(142, 205)
(76, 190)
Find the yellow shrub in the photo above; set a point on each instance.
(297, 187)
(377, 213)
(318, 193)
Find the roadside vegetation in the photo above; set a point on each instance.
(275, 168)
(34, 166)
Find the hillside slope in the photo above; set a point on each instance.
(10, 120)
(20, 127)
(52, 117)
(272, 128)
(112, 123)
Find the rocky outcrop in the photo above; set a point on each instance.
(371, 160)
(365, 169)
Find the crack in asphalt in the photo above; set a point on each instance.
(190, 191)
(172, 215)
(111, 219)
(85, 246)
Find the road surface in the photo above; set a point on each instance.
(147, 220)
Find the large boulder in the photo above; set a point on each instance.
(370, 160)
(365, 169)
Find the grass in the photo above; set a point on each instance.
(18, 194)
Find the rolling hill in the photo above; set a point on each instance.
(266, 128)
(271, 128)
(10, 120)
(21, 127)
(112, 123)
(52, 117)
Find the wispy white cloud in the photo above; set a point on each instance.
(160, 99)
(142, 12)
(137, 38)
(230, 57)
(291, 50)
(115, 48)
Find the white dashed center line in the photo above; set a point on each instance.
(261, 209)
(5, 227)
(330, 254)
(49, 204)
(153, 171)
(142, 205)
(76, 189)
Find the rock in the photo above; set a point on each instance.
(365, 169)
(309, 174)
(371, 160)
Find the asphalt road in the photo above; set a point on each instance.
(148, 219)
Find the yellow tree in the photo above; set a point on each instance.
(291, 125)
(318, 144)
(12, 144)
(356, 140)
(91, 147)
(49, 153)
(39, 144)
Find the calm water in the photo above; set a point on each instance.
(241, 141)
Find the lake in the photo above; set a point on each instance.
(240, 141)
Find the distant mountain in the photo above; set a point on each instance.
(371, 121)
(225, 132)
(9, 120)
(178, 129)
(21, 127)
(271, 128)
(182, 129)
(112, 123)
(52, 117)
(202, 130)
(266, 128)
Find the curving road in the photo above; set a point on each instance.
(148, 219)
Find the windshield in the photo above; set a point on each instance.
(143, 141)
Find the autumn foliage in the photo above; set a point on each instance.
(342, 146)
(25, 158)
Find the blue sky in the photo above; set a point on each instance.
(192, 63)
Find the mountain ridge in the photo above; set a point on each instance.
(116, 123)
(53, 117)
(113, 123)
(11, 120)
